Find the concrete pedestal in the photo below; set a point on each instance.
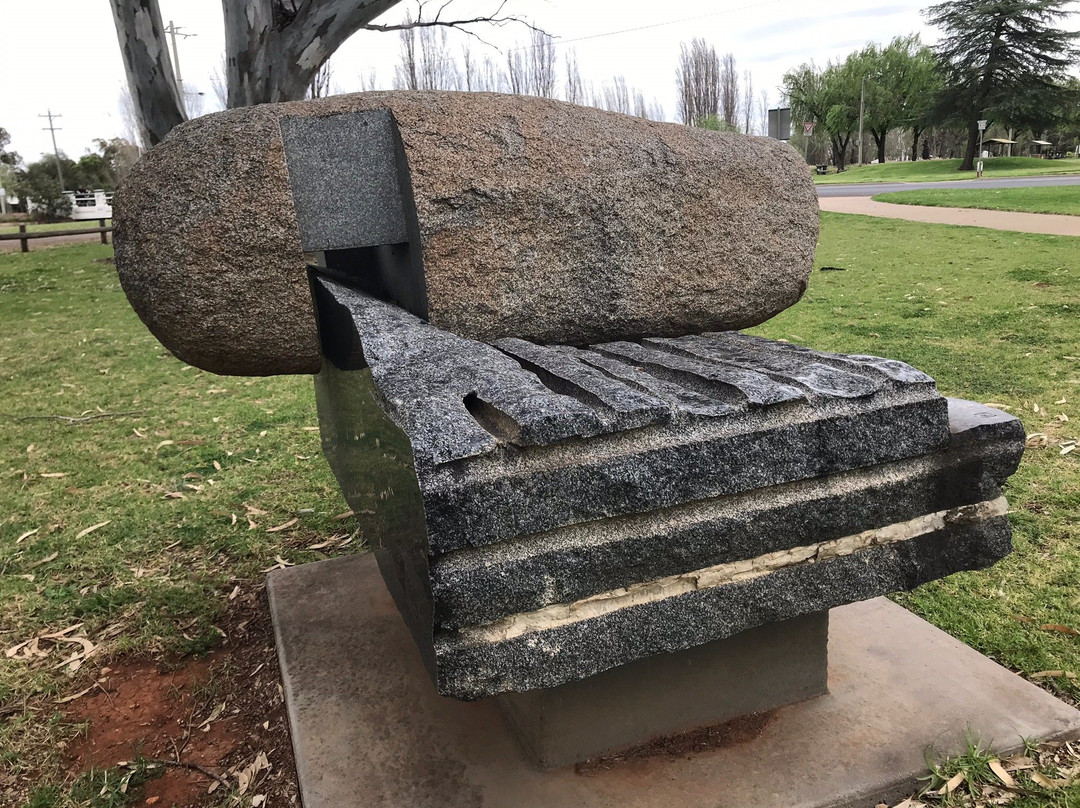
(753, 672)
(368, 728)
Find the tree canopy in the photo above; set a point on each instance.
(997, 55)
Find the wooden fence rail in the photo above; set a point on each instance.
(24, 238)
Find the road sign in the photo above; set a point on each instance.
(982, 125)
(780, 123)
(807, 128)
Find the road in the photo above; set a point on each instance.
(874, 188)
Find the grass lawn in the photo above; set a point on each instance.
(139, 495)
(938, 170)
(37, 227)
(1058, 199)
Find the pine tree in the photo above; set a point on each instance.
(996, 52)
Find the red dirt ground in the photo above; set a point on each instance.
(160, 712)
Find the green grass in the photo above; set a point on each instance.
(994, 316)
(176, 479)
(181, 459)
(1059, 199)
(937, 170)
(37, 227)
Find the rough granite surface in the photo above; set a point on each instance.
(580, 508)
(472, 670)
(537, 219)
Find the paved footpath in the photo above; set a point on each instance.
(875, 188)
(1051, 224)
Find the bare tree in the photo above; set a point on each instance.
(616, 96)
(729, 91)
(748, 103)
(575, 88)
(468, 71)
(438, 68)
(272, 49)
(542, 65)
(320, 82)
(407, 74)
(368, 81)
(217, 83)
(763, 112)
(517, 71)
(698, 80)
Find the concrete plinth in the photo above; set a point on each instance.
(753, 672)
(368, 728)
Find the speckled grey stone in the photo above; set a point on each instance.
(552, 475)
(546, 659)
(461, 400)
(533, 218)
(481, 585)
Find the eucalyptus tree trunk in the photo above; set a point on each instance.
(150, 75)
(273, 48)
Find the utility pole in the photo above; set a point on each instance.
(862, 108)
(173, 33)
(52, 129)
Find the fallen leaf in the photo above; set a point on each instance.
(46, 560)
(234, 593)
(1035, 407)
(345, 515)
(320, 545)
(1036, 439)
(164, 443)
(52, 474)
(1002, 775)
(1044, 781)
(1053, 675)
(27, 535)
(251, 509)
(214, 715)
(283, 526)
(953, 784)
(1069, 448)
(91, 529)
(251, 524)
(1062, 417)
(174, 495)
(217, 466)
(78, 695)
(1060, 629)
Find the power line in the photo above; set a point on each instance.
(53, 129)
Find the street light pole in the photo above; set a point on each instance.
(174, 32)
(862, 108)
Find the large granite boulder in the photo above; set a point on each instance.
(489, 215)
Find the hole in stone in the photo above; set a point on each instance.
(389, 272)
(500, 425)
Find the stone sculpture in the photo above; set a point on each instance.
(647, 229)
(522, 315)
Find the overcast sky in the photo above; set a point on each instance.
(63, 55)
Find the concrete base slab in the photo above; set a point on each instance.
(368, 728)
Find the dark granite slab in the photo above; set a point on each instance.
(480, 585)
(472, 665)
(543, 513)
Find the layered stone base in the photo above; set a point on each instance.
(369, 729)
